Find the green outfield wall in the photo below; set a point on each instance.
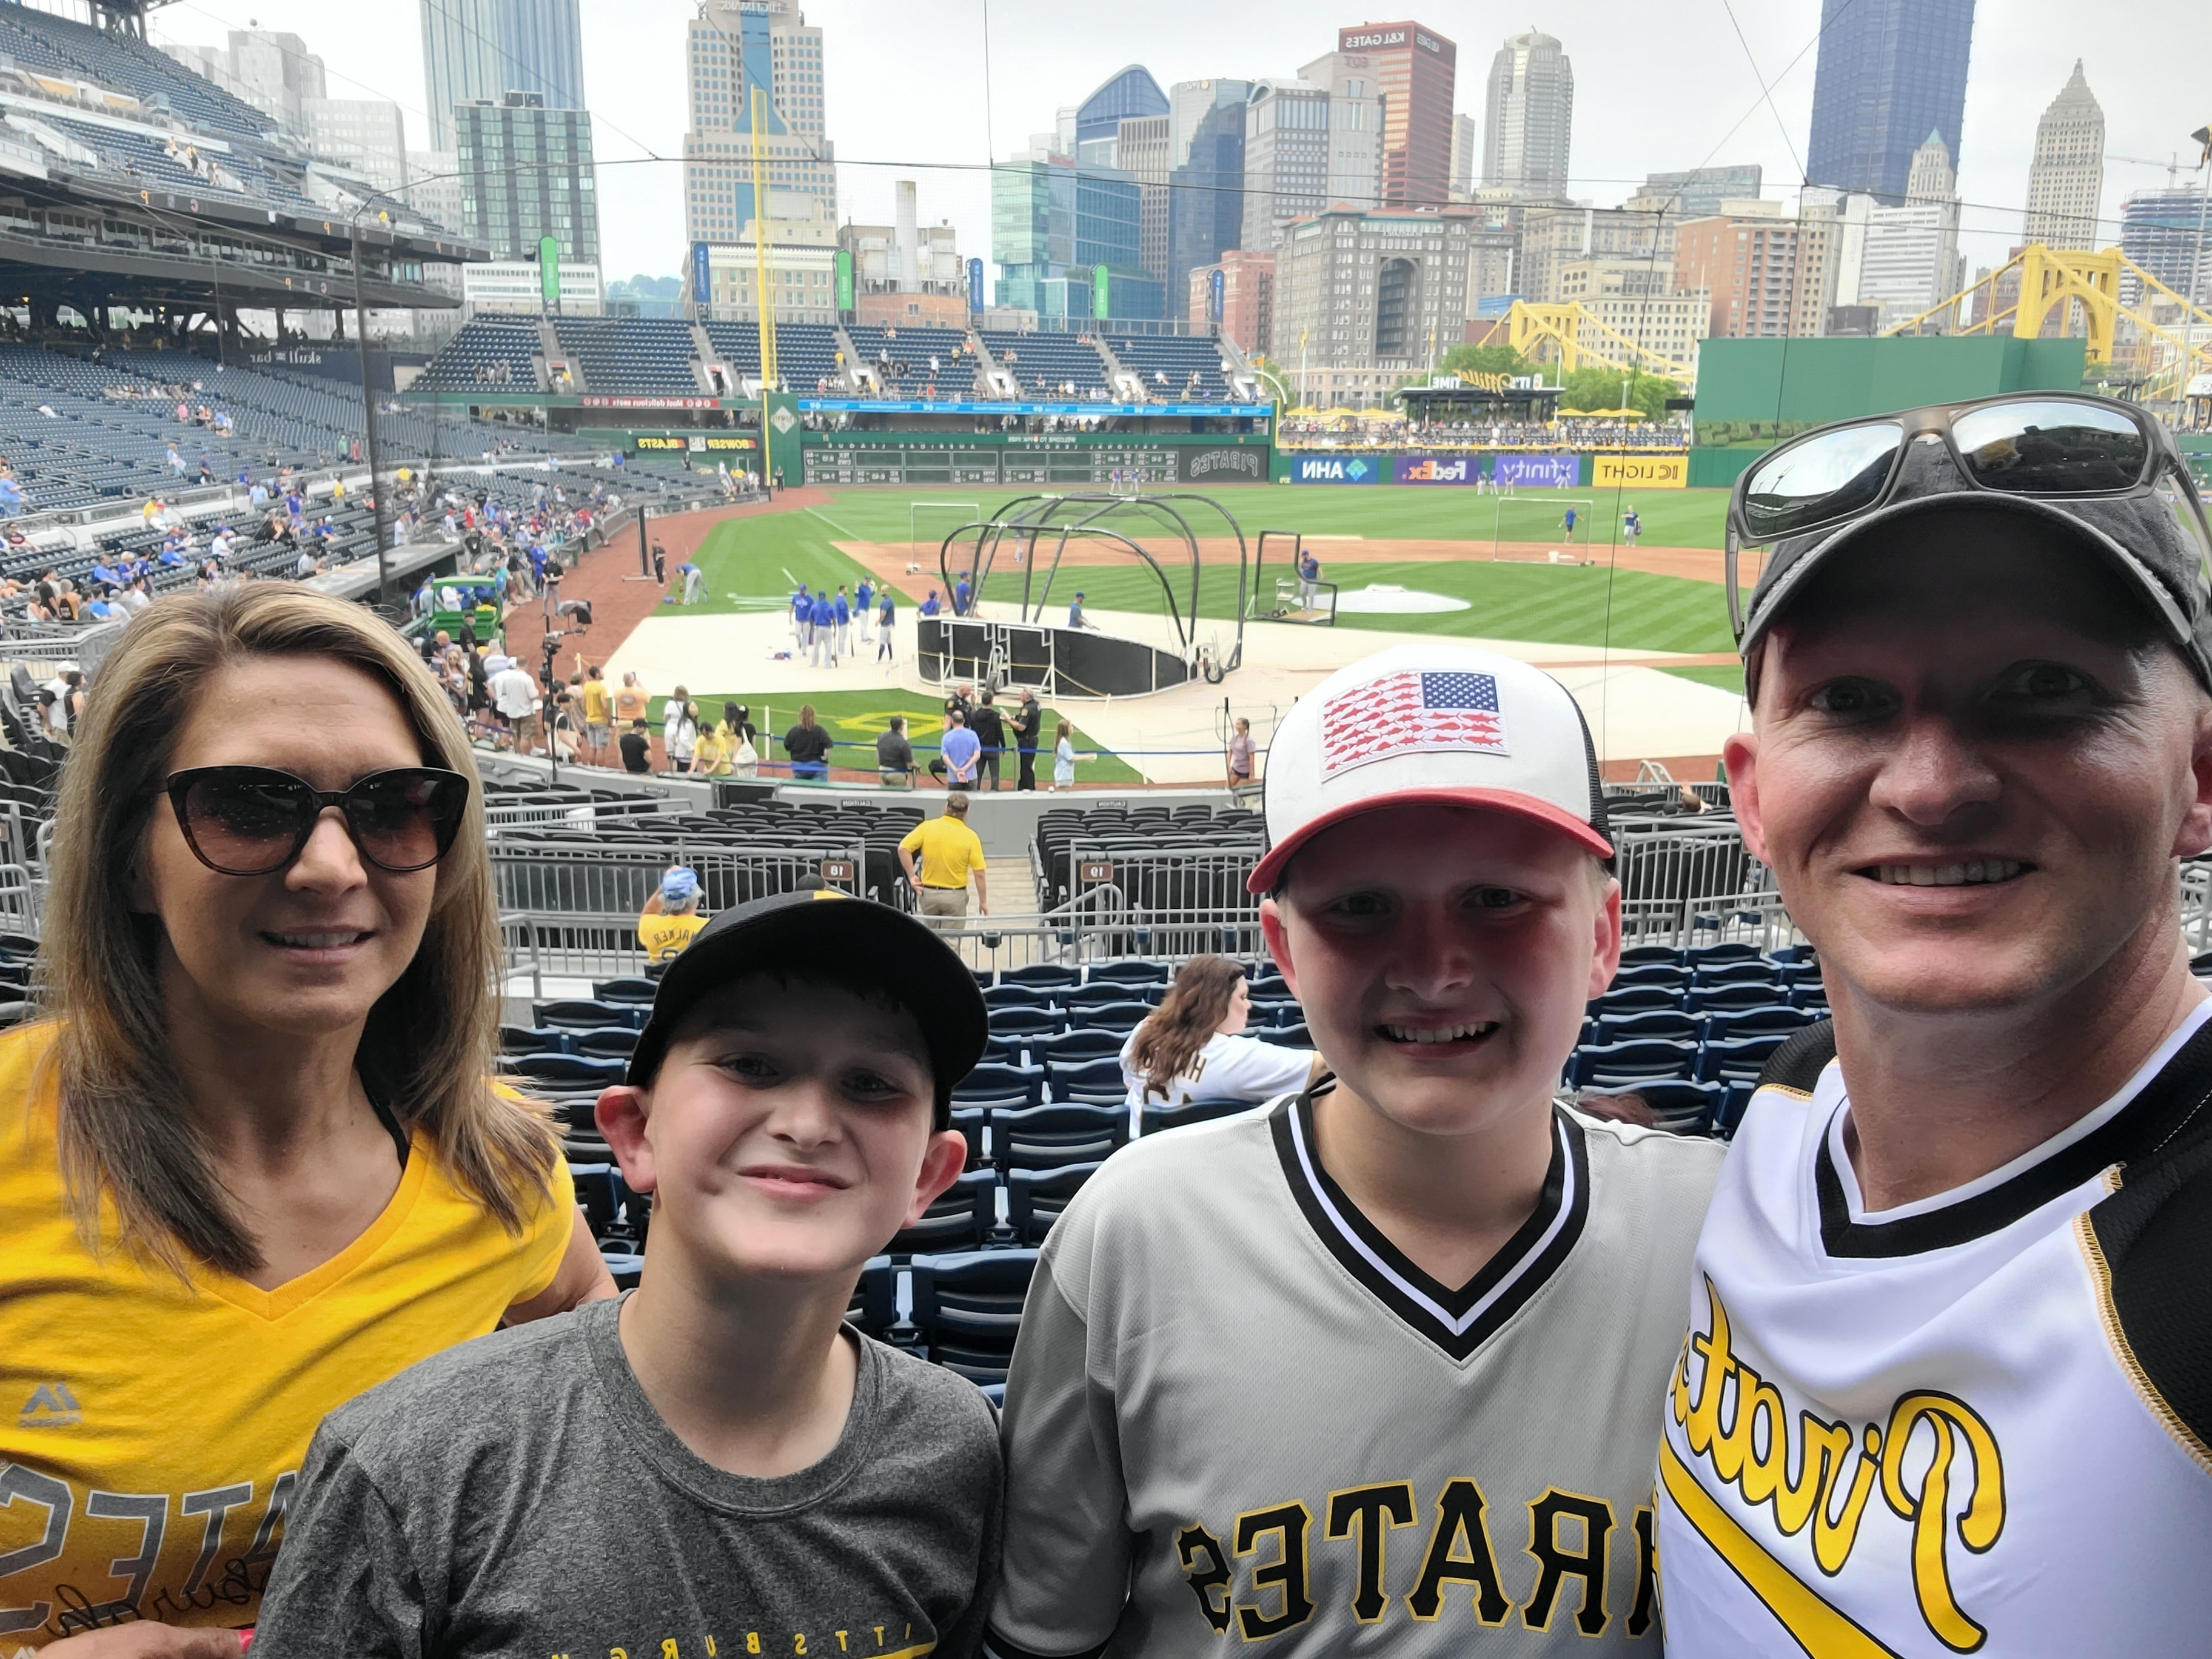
(1754, 393)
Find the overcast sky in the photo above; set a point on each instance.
(1656, 87)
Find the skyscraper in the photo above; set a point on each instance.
(1699, 193)
(526, 173)
(1414, 71)
(1206, 200)
(1307, 147)
(1528, 122)
(1466, 156)
(1888, 72)
(480, 49)
(732, 48)
(1911, 258)
(1191, 101)
(2066, 179)
(2161, 230)
(1144, 148)
(1130, 91)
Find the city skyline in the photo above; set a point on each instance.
(879, 60)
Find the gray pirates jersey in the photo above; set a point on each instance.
(1237, 1412)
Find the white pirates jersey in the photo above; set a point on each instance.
(1237, 1412)
(1227, 1068)
(1973, 1423)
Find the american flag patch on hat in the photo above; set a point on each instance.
(1412, 714)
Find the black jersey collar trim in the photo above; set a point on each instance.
(1457, 1320)
(2162, 1107)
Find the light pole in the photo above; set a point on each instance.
(368, 408)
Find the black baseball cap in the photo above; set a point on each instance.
(2137, 537)
(830, 933)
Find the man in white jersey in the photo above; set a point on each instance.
(1947, 1387)
(1377, 1369)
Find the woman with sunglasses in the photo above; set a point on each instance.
(255, 1163)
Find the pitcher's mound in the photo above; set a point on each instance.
(1385, 598)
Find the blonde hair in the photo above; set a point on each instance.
(427, 1052)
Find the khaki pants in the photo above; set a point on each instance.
(945, 907)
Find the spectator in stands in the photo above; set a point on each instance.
(990, 729)
(894, 755)
(599, 713)
(1075, 617)
(103, 607)
(630, 701)
(671, 919)
(11, 495)
(259, 1128)
(711, 751)
(135, 598)
(744, 738)
(680, 731)
(636, 746)
(788, 1110)
(961, 751)
(514, 694)
(1239, 755)
(1063, 757)
(1029, 720)
(1192, 1046)
(950, 856)
(808, 745)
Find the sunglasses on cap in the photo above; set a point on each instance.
(2052, 447)
(254, 821)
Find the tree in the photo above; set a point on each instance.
(1272, 381)
(1601, 388)
(1485, 359)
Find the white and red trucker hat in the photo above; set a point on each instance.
(1430, 725)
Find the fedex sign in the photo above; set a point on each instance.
(1437, 469)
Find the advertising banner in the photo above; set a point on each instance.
(1538, 472)
(1101, 291)
(702, 286)
(1258, 413)
(975, 288)
(1658, 471)
(1338, 469)
(1217, 288)
(1437, 469)
(1241, 463)
(549, 272)
(844, 279)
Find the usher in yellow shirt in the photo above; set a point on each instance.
(151, 1431)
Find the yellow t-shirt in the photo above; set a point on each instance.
(663, 938)
(710, 753)
(599, 706)
(950, 851)
(151, 1431)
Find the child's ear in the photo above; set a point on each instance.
(941, 1164)
(621, 1114)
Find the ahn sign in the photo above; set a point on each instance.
(1337, 468)
(1437, 469)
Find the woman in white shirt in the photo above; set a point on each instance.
(1189, 1048)
(680, 731)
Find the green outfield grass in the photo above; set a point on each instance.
(753, 563)
(856, 718)
(1729, 676)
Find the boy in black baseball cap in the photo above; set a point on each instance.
(713, 1462)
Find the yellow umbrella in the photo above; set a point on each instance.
(1380, 415)
(1571, 411)
(1618, 414)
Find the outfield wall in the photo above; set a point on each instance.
(994, 458)
(1635, 469)
(1758, 393)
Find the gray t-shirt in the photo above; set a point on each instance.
(519, 1495)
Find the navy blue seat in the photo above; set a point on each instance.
(1038, 973)
(1813, 997)
(614, 1043)
(874, 1306)
(961, 1219)
(1653, 1060)
(996, 997)
(528, 1040)
(973, 1124)
(1636, 998)
(1091, 1074)
(1679, 1106)
(1151, 1119)
(568, 1068)
(1122, 1017)
(1052, 1137)
(1008, 1050)
(1756, 1022)
(1035, 1199)
(1658, 1023)
(1735, 973)
(1730, 1112)
(1731, 999)
(631, 992)
(1706, 956)
(1736, 1061)
(1287, 1036)
(1024, 1021)
(1106, 993)
(989, 1081)
(596, 1194)
(1079, 1045)
(1650, 956)
(1657, 973)
(581, 1016)
(968, 1309)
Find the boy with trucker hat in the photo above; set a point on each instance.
(1947, 1387)
(715, 1464)
(1376, 1366)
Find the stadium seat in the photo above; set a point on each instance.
(1730, 1112)
(1735, 973)
(568, 1069)
(626, 1270)
(596, 1196)
(1636, 1000)
(1019, 996)
(1122, 1017)
(581, 1016)
(973, 1124)
(968, 1309)
(1736, 1061)
(1106, 993)
(627, 991)
(528, 1040)
(1038, 974)
(994, 1082)
(1707, 956)
(1024, 1021)
(874, 1306)
(1756, 1022)
(1052, 1137)
(1658, 1023)
(1079, 1045)
(1154, 1120)
(1066, 1074)
(1814, 998)
(1657, 973)
(1679, 1108)
(1129, 973)
(1650, 955)
(1623, 1064)
(1287, 1036)
(1731, 999)
(614, 1043)
(1035, 1199)
(961, 1219)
